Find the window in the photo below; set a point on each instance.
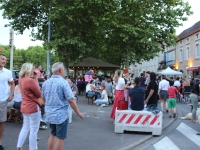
(181, 55)
(180, 43)
(170, 56)
(197, 50)
(197, 36)
(188, 40)
(188, 53)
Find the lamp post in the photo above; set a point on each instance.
(11, 41)
(48, 51)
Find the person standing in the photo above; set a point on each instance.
(88, 76)
(194, 96)
(152, 90)
(127, 84)
(163, 94)
(58, 96)
(74, 89)
(109, 89)
(177, 83)
(119, 100)
(38, 71)
(172, 91)
(142, 80)
(30, 106)
(6, 93)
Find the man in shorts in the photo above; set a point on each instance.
(172, 91)
(58, 95)
(7, 87)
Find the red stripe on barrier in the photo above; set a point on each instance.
(122, 118)
(154, 120)
(138, 119)
(130, 119)
(146, 119)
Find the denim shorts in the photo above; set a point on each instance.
(60, 130)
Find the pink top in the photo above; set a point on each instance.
(172, 92)
(30, 95)
(39, 74)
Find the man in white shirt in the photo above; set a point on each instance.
(163, 94)
(7, 87)
(177, 82)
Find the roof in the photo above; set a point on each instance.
(169, 71)
(92, 62)
(190, 30)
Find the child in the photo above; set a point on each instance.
(104, 98)
(172, 91)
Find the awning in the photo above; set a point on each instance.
(193, 68)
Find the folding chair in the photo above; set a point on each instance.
(187, 91)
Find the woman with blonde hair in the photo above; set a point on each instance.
(119, 101)
(30, 106)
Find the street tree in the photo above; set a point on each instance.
(108, 30)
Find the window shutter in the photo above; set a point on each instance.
(184, 56)
(189, 53)
(195, 51)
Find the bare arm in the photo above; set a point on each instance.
(149, 96)
(124, 86)
(102, 96)
(93, 88)
(75, 108)
(12, 89)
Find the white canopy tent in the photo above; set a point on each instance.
(169, 71)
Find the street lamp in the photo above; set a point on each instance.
(48, 51)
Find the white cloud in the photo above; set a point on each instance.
(23, 41)
(191, 19)
(20, 41)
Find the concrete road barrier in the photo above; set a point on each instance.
(144, 121)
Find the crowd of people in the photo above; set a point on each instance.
(33, 94)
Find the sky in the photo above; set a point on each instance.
(24, 41)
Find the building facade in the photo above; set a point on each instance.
(152, 65)
(184, 56)
(188, 51)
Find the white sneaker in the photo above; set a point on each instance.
(102, 105)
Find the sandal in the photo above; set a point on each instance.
(194, 121)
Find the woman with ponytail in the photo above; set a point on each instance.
(119, 100)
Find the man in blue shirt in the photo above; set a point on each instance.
(137, 96)
(58, 96)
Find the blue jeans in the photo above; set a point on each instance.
(96, 94)
(60, 130)
(100, 101)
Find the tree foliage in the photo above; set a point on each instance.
(108, 30)
(33, 54)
